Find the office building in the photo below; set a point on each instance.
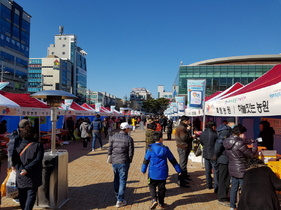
(104, 98)
(51, 73)
(221, 73)
(138, 96)
(162, 93)
(66, 47)
(14, 46)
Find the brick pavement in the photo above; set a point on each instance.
(91, 182)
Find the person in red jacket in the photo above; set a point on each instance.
(158, 126)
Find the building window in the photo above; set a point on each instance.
(53, 53)
(63, 45)
(63, 53)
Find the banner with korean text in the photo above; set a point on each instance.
(195, 93)
(262, 102)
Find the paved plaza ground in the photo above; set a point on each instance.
(91, 182)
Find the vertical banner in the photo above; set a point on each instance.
(196, 93)
(112, 109)
(180, 100)
(97, 107)
(174, 107)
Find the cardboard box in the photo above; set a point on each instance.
(265, 155)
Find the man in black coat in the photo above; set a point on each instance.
(208, 139)
(224, 131)
(184, 144)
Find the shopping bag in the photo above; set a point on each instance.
(198, 151)
(109, 159)
(4, 183)
(11, 186)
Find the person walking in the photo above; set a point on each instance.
(14, 141)
(238, 152)
(208, 139)
(27, 160)
(169, 129)
(95, 128)
(184, 144)
(134, 122)
(149, 134)
(156, 157)
(69, 125)
(121, 151)
(224, 131)
(85, 132)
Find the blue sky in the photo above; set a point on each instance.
(140, 43)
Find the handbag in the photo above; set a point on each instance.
(198, 151)
(11, 186)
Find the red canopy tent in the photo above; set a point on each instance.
(258, 98)
(207, 98)
(271, 77)
(233, 88)
(29, 106)
(87, 106)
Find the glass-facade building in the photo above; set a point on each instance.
(49, 73)
(220, 74)
(14, 45)
(66, 47)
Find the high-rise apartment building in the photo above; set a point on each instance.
(51, 73)
(14, 45)
(66, 47)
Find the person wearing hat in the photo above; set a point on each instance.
(184, 144)
(238, 152)
(121, 151)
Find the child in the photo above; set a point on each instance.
(156, 157)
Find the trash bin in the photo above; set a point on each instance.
(53, 192)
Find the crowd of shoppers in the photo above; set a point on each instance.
(225, 151)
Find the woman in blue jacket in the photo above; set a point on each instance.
(156, 157)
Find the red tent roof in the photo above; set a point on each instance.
(272, 77)
(87, 106)
(92, 105)
(76, 106)
(212, 96)
(24, 100)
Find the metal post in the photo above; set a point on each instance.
(2, 71)
(54, 122)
